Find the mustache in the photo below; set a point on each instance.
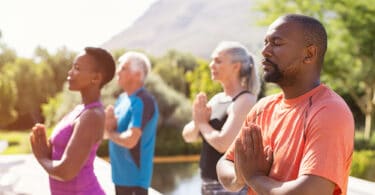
(269, 62)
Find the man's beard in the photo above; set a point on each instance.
(273, 76)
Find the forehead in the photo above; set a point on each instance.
(221, 54)
(84, 60)
(285, 30)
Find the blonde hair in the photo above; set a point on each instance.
(249, 71)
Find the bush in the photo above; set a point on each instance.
(170, 142)
(363, 165)
(360, 143)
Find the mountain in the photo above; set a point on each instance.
(194, 26)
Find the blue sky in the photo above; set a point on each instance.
(26, 24)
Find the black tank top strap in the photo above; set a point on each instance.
(238, 95)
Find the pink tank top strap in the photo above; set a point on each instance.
(88, 106)
(93, 105)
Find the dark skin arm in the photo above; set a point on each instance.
(251, 161)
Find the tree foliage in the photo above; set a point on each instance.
(173, 66)
(350, 59)
(200, 81)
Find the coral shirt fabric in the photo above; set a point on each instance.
(312, 134)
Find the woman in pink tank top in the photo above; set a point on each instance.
(69, 154)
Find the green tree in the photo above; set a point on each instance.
(173, 66)
(200, 81)
(60, 63)
(32, 82)
(6, 54)
(350, 59)
(8, 99)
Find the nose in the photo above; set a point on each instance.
(212, 63)
(70, 71)
(266, 51)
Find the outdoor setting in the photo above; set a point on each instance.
(46, 72)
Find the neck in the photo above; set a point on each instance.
(232, 88)
(90, 96)
(133, 88)
(299, 89)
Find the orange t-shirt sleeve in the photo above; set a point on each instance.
(329, 145)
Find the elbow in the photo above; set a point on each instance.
(63, 175)
(130, 145)
(188, 138)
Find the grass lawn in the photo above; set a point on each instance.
(18, 142)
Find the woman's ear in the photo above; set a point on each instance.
(97, 79)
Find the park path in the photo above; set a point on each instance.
(22, 175)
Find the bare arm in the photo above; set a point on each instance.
(127, 139)
(88, 130)
(221, 140)
(305, 184)
(190, 133)
(227, 175)
(254, 163)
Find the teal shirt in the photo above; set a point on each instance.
(133, 167)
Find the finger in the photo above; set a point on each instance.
(258, 142)
(248, 142)
(269, 154)
(32, 138)
(239, 146)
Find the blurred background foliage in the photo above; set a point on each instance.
(34, 90)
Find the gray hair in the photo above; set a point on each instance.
(138, 62)
(249, 71)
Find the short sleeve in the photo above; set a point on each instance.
(136, 114)
(329, 144)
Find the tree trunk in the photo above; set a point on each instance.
(368, 113)
(368, 126)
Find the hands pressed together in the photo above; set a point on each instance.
(201, 112)
(110, 124)
(250, 157)
(40, 146)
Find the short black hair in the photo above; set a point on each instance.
(104, 63)
(313, 31)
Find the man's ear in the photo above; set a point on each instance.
(311, 54)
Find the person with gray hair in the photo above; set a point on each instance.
(131, 127)
(218, 120)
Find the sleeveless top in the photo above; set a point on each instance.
(209, 155)
(85, 182)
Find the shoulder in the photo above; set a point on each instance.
(245, 100)
(93, 116)
(267, 101)
(329, 102)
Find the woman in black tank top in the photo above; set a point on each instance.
(218, 120)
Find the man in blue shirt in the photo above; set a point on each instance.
(131, 127)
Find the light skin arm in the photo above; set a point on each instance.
(88, 130)
(190, 133)
(221, 140)
(227, 175)
(254, 163)
(127, 139)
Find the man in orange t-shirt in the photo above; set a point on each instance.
(301, 140)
